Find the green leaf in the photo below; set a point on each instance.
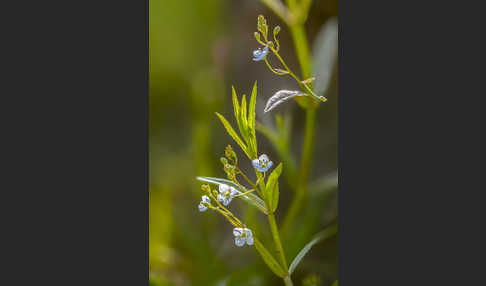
(232, 133)
(274, 200)
(236, 105)
(270, 187)
(243, 117)
(324, 55)
(253, 199)
(251, 110)
(251, 119)
(317, 238)
(269, 260)
(275, 195)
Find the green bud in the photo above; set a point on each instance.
(261, 19)
(224, 161)
(276, 30)
(205, 188)
(230, 154)
(257, 36)
(215, 193)
(229, 168)
(262, 26)
(270, 44)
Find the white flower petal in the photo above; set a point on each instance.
(223, 188)
(227, 201)
(237, 231)
(239, 241)
(249, 240)
(202, 207)
(220, 198)
(233, 192)
(255, 163)
(205, 199)
(264, 158)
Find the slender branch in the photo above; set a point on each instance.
(245, 193)
(303, 177)
(274, 228)
(280, 10)
(246, 178)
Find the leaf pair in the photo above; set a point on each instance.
(246, 123)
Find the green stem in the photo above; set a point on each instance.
(303, 177)
(274, 228)
(301, 48)
(288, 281)
(276, 239)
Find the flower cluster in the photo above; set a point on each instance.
(226, 194)
(242, 236)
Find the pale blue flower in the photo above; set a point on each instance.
(262, 164)
(259, 55)
(226, 194)
(205, 202)
(242, 236)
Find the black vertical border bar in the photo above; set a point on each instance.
(76, 148)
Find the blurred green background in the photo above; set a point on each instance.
(198, 49)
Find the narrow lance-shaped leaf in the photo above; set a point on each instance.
(274, 200)
(233, 134)
(243, 117)
(280, 97)
(251, 119)
(236, 105)
(270, 187)
(324, 55)
(252, 199)
(244, 122)
(269, 260)
(317, 238)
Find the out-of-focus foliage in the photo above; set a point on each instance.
(198, 49)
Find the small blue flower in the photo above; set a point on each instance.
(205, 202)
(242, 236)
(262, 164)
(259, 55)
(226, 194)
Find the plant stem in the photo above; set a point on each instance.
(288, 281)
(305, 164)
(274, 230)
(276, 238)
(301, 48)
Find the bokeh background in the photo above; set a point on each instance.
(198, 49)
